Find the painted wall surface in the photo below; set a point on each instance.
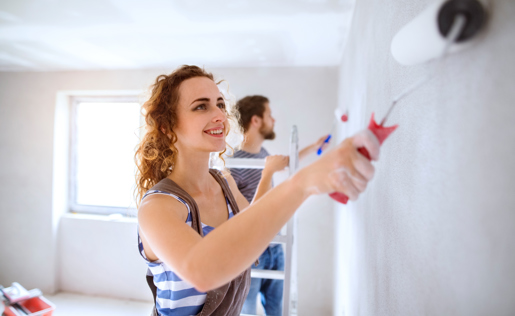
(39, 251)
(435, 232)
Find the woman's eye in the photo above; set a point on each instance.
(201, 107)
(221, 105)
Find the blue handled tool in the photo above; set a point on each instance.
(319, 152)
(339, 116)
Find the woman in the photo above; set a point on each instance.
(186, 120)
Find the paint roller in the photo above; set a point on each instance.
(443, 27)
(424, 38)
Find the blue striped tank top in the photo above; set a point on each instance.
(175, 296)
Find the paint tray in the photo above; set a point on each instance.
(36, 306)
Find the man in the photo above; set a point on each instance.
(257, 123)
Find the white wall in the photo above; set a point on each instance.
(435, 232)
(92, 255)
(97, 257)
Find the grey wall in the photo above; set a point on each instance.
(38, 251)
(435, 232)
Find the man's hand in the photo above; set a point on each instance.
(273, 164)
(276, 163)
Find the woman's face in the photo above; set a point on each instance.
(201, 116)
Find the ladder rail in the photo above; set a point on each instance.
(290, 266)
(289, 275)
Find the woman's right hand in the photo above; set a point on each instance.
(342, 169)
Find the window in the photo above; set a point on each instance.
(104, 134)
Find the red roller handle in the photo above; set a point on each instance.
(381, 133)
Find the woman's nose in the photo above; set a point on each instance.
(220, 115)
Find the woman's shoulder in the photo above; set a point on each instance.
(155, 202)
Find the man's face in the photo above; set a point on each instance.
(267, 126)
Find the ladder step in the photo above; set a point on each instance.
(267, 274)
(279, 239)
(245, 163)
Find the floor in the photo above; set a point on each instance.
(69, 304)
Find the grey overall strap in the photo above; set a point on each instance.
(226, 189)
(169, 186)
(229, 298)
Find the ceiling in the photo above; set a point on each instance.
(53, 35)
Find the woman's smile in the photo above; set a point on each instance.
(215, 132)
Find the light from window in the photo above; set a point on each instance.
(106, 135)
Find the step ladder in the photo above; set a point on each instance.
(289, 275)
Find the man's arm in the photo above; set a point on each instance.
(272, 165)
(313, 147)
(279, 162)
(231, 178)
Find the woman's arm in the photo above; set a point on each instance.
(273, 164)
(219, 257)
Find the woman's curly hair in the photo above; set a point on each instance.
(156, 153)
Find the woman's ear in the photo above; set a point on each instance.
(164, 132)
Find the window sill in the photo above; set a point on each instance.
(104, 218)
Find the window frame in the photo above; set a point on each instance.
(73, 206)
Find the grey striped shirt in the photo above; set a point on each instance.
(248, 179)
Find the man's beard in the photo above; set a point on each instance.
(267, 134)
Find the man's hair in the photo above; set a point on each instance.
(249, 106)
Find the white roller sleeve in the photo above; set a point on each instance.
(420, 40)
